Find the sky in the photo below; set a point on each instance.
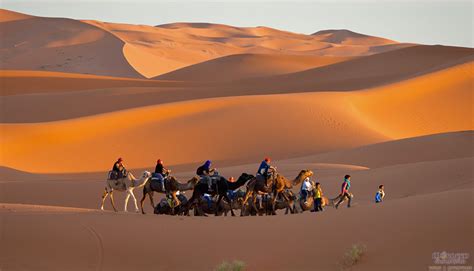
(447, 22)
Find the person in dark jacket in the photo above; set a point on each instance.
(205, 171)
(161, 173)
(119, 168)
(346, 185)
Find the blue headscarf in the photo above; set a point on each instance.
(207, 164)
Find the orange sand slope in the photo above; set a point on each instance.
(112, 49)
(34, 212)
(178, 45)
(20, 82)
(235, 67)
(58, 44)
(107, 97)
(190, 131)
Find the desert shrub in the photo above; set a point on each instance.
(353, 256)
(231, 266)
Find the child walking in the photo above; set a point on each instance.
(380, 194)
(318, 198)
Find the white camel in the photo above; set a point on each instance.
(127, 184)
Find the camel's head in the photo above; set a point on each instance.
(194, 180)
(306, 173)
(146, 174)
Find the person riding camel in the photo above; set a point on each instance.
(264, 168)
(346, 185)
(161, 173)
(118, 169)
(205, 172)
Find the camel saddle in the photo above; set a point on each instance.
(114, 175)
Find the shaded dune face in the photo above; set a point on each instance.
(56, 44)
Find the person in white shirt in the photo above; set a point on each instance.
(306, 188)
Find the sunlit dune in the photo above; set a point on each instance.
(193, 130)
(428, 104)
(235, 67)
(157, 50)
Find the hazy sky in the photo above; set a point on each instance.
(448, 22)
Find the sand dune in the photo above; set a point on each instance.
(95, 244)
(367, 72)
(344, 36)
(188, 132)
(9, 16)
(18, 82)
(235, 67)
(205, 128)
(416, 62)
(65, 45)
(412, 189)
(412, 150)
(153, 51)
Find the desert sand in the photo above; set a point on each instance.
(77, 94)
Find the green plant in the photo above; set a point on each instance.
(233, 266)
(353, 256)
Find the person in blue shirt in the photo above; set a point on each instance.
(380, 194)
(264, 167)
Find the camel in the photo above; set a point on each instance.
(224, 208)
(172, 185)
(275, 184)
(167, 207)
(220, 188)
(127, 184)
(266, 208)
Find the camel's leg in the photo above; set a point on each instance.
(219, 199)
(175, 198)
(112, 199)
(275, 194)
(143, 199)
(230, 204)
(126, 200)
(244, 203)
(190, 204)
(134, 200)
(104, 196)
(150, 195)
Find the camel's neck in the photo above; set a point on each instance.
(187, 186)
(299, 179)
(237, 184)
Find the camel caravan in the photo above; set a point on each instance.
(262, 194)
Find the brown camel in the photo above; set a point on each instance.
(275, 184)
(172, 186)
